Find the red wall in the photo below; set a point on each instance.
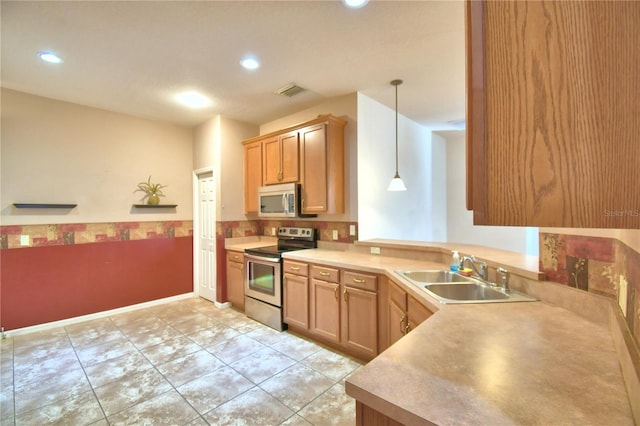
(44, 284)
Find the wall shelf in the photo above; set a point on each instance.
(43, 206)
(154, 206)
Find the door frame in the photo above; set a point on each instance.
(196, 230)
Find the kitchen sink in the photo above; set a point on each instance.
(466, 291)
(435, 276)
(450, 287)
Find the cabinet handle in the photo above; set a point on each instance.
(280, 175)
(325, 274)
(403, 330)
(335, 291)
(358, 280)
(345, 295)
(407, 329)
(295, 268)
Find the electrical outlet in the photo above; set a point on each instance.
(375, 250)
(335, 234)
(24, 240)
(622, 294)
(352, 230)
(273, 230)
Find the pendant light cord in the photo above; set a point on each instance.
(396, 83)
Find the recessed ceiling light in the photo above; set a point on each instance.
(355, 4)
(50, 57)
(193, 99)
(250, 63)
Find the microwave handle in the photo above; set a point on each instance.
(284, 203)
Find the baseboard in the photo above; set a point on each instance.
(97, 315)
(223, 305)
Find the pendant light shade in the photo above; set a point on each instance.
(396, 183)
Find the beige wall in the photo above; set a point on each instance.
(232, 133)
(217, 144)
(59, 152)
(344, 107)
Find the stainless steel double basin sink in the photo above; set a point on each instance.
(450, 287)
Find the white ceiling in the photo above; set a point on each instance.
(133, 56)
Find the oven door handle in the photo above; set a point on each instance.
(261, 259)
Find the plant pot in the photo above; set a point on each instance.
(153, 200)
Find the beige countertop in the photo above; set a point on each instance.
(496, 363)
(242, 243)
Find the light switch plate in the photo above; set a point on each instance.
(335, 234)
(273, 230)
(24, 240)
(375, 250)
(352, 230)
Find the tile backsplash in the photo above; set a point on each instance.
(599, 265)
(84, 233)
(232, 229)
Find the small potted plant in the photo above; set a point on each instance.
(152, 191)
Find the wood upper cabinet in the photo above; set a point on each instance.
(235, 279)
(281, 158)
(252, 175)
(295, 294)
(552, 113)
(322, 166)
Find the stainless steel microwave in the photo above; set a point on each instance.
(281, 200)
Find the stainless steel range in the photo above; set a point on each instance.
(263, 277)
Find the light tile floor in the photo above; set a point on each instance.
(180, 363)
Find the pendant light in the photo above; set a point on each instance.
(396, 183)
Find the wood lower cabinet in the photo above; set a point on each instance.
(252, 156)
(404, 313)
(325, 303)
(235, 279)
(360, 313)
(367, 416)
(295, 285)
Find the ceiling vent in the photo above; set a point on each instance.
(289, 90)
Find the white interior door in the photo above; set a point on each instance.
(206, 235)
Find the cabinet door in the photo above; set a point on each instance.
(416, 312)
(397, 322)
(360, 321)
(325, 309)
(271, 172)
(296, 300)
(252, 175)
(289, 157)
(314, 168)
(552, 120)
(235, 281)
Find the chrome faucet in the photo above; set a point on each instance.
(504, 278)
(482, 273)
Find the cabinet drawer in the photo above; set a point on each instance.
(398, 295)
(358, 280)
(235, 256)
(325, 274)
(295, 268)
